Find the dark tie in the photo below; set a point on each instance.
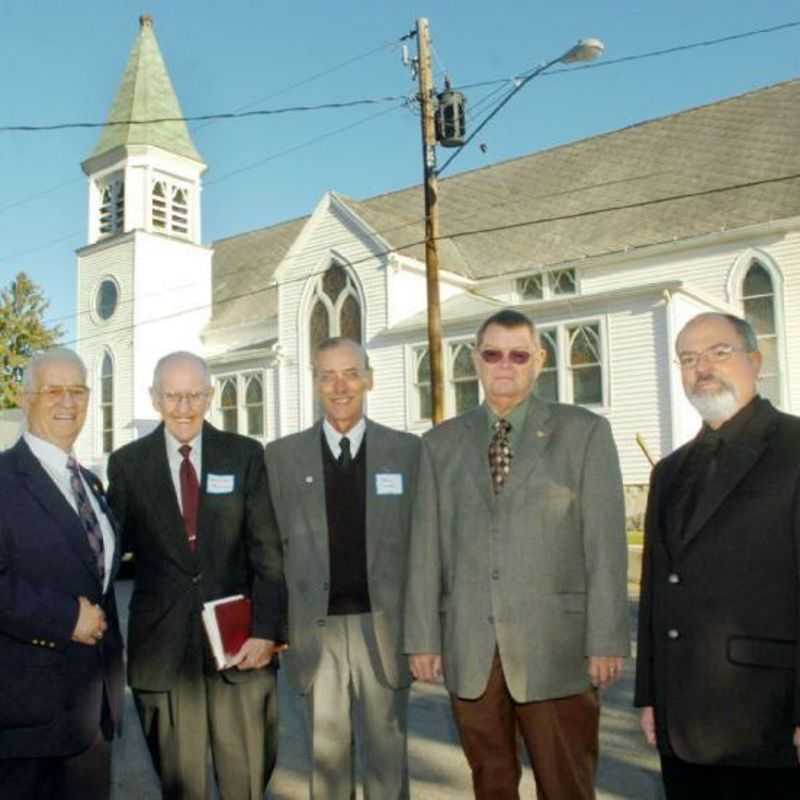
(500, 454)
(190, 496)
(697, 474)
(88, 517)
(345, 457)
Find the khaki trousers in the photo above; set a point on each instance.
(561, 737)
(351, 701)
(238, 720)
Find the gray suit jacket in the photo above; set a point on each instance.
(539, 570)
(297, 486)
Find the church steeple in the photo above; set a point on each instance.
(146, 92)
(145, 175)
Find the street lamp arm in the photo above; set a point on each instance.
(585, 50)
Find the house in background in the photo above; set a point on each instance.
(611, 244)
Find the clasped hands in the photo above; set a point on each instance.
(91, 624)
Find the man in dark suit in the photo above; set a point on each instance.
(517, 572)
(342, 492)
(194, 508)
(719, 646)
(60, 645)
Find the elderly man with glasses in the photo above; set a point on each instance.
(194, 509)
(60, 644)
(719, 625)
(517, 572)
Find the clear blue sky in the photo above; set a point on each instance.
(61, 61)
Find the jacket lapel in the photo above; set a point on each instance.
(380, 460)
(310, 488)
(738, 459)
(475, 452)
(165, 500)
(96, 487)
(534, 441)
(42, 488)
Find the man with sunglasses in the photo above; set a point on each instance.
(60, 644)
(719, 631)
(517, 572)
(194, 509)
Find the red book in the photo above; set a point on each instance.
(228, 623)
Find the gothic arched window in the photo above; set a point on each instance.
(106, 408)
(335, 308)
(254, 406)
(758, 308)
(546, 385)
(229, 405)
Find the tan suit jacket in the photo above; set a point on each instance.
(539, 570)
(297, 486)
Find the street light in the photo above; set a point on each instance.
(584, 50)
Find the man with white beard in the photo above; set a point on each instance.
(717, 672)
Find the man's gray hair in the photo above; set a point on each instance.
(179, 355)
(62, 355)
(333, 342)
(744, 330)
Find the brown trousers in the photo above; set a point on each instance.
(561, 737)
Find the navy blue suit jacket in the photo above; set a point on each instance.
(54, 693)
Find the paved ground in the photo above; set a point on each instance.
(438, 770)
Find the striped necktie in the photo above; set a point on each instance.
(88, 517)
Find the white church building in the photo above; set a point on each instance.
(610, 244)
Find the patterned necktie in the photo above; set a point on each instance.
(190, 496)
(89, 519)
(345, 457)
(500, 454)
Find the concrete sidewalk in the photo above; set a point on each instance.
(438, 769)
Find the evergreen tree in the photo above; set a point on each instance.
(22, 333)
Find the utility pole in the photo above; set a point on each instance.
(426, 100)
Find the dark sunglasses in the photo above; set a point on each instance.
(492, 356)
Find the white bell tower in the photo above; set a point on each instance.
(144, 278)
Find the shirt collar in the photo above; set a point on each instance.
(731, 429)
(516, 416)
(47, 452)
(174, 446)
(355, 435)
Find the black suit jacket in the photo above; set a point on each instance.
(53, 691)
(720, 606)
(238, 550)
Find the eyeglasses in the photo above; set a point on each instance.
(329, 378)
(517, 357)
(715, 354)
(193, 398)
(54, 394)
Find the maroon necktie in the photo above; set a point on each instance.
(190, 496)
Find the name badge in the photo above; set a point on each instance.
(219, 484)
(389, 483)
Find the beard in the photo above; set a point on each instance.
(715, 405)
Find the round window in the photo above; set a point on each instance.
(106, 301)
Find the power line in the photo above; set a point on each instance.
(609, 62)
(457, 235)
(394, 98)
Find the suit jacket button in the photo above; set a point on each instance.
(674, 577)
(491, 620)
(34, 641)
(495, 574)
(197, 578)
(325, 586)
(673, 633)
(321, 623)
(52, 644)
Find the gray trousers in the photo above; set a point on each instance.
(351, 700)
(238, 720)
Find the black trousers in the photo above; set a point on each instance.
(83, 776)
(685, 781)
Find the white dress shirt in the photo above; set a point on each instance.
(355, 435)
(54, 462)
(175, 460)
